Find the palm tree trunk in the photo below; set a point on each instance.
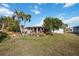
(2, 27)
(20, 29)
(64, 30)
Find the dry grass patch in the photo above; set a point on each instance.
(64, 44)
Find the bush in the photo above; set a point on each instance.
(13, 28)
(3, 36)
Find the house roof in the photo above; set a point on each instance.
(34, 27)
(75, 26)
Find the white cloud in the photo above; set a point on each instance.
(36, 11)
(36, 7)
(5, 5)
(5, 12)
(69, 4)
(72, 20)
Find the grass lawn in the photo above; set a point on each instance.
(64, 44)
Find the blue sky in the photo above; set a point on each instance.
(67, 12)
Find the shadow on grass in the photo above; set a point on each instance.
(3, 36)
(77, 33)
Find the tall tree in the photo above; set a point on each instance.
(21, 16)
(51, 23)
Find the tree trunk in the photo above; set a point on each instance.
(65, 30)
(20, 29)
(53, 32)
(2, 27)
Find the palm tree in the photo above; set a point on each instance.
(21, 16)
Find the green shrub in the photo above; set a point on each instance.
(13, 28)
(3, 36)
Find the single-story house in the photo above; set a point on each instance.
(35, 29)
(74, 29)
(39, 29)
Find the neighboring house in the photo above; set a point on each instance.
(70, 29)
(61, 31)
(74, 29)
(40, 29)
